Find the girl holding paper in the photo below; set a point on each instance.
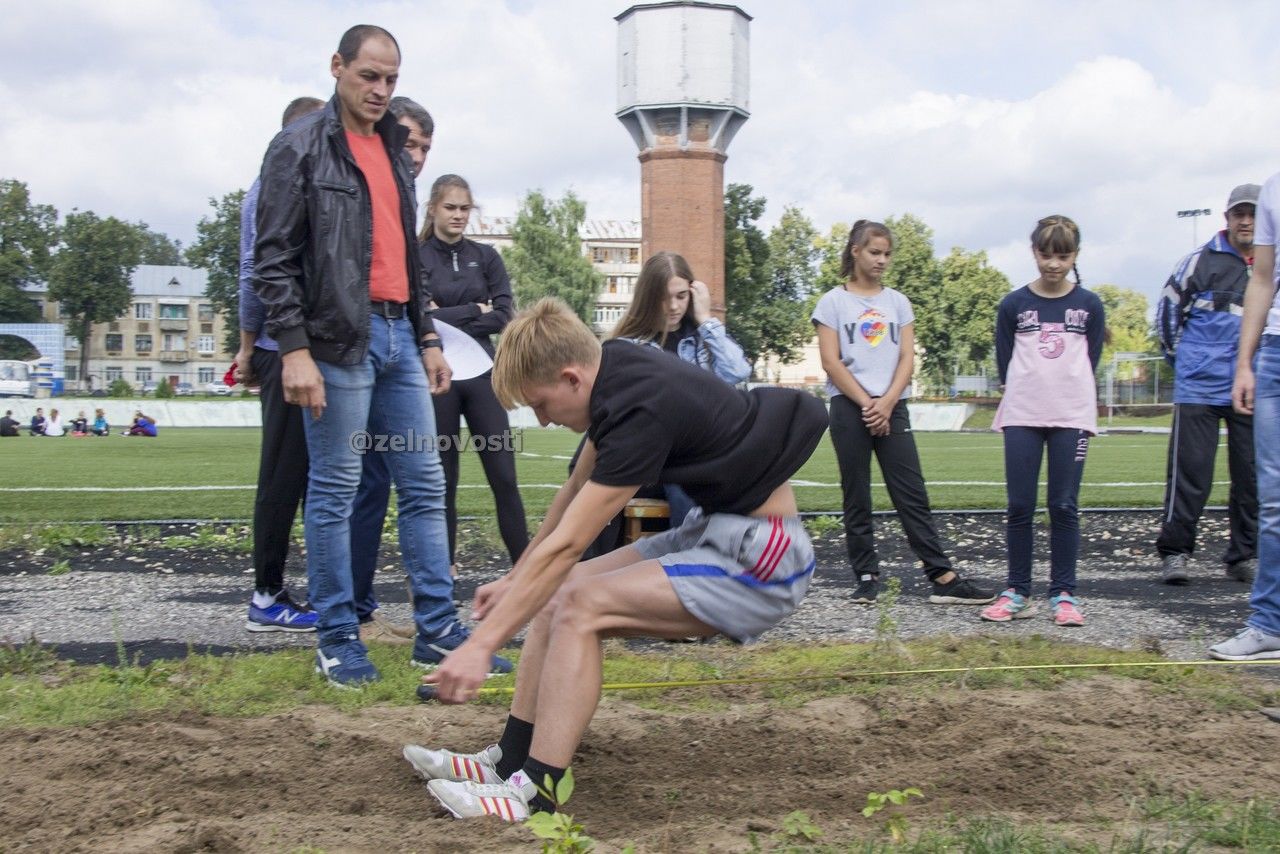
(472, 293)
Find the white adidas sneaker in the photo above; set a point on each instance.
(478, 767)
(509, 800)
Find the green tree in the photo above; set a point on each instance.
(27, 234)
(158, 247)
(545, 258)
(971, 294)
(790, 295)
(746, 271)
(89, 276)
(217, 251)
(916, 273)
(830, 248)
(1128, 329)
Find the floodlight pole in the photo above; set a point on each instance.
(1193, 214)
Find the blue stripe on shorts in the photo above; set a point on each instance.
(692, 569)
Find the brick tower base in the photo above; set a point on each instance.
(682, 210)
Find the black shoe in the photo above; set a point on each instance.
(868, 590)
(960, 591)
(1243, 570)
(1174, 567)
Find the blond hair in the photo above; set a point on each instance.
(541, 341)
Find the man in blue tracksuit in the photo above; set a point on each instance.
(1198, 319)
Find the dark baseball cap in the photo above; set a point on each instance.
(1245, 194)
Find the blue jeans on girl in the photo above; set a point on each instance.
(1023, 449)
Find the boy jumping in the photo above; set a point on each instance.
(737, 567)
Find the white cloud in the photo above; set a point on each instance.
(977, 116)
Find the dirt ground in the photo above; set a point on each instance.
(1078, 754)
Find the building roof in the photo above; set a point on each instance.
(671, 3)
(153, 280)
(592, 229)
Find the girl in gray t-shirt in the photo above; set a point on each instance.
(866, 336)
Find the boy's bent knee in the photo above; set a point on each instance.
(578, 606)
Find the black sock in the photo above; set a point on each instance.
(514, 744)
(538, 772)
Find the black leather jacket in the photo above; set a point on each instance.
(315, 239)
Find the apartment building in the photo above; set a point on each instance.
(170, 331)
(612, 245)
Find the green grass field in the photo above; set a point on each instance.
(174, 474)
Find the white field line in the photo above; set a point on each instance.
(799, 483)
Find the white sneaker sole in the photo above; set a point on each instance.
(934, 599)
(1267, 655)
(271, 627)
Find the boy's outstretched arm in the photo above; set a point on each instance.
(488, 595)
(541, 571)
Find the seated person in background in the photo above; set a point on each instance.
(80, 425)
(8, 425)
(142, 426)
(38, 422)
(53, 427)
(100, 426)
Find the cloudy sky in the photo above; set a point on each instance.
(978, 117)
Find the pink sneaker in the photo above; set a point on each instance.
(1065, 612)
(1009, 605)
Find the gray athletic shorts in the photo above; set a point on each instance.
(738, 574)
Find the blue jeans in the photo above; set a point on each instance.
(679, 502)
(387, 395)
(1265, 599)
(1023, 449)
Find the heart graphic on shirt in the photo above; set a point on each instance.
(873, 331)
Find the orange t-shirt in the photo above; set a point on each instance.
(388, 273)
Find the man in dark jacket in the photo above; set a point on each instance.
(1198, 319)
(346, 301)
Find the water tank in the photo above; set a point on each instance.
(694, 57)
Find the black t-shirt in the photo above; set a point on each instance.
(672, 342)
(655, 419)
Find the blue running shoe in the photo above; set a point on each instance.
(428, 654)
(346, 664)
(284, 615)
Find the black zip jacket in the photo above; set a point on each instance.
(461, 276)
(315, 239)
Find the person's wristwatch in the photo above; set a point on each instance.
(427, 343)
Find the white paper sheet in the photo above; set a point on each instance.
(466, 358)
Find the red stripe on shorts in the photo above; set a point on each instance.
(774, 534)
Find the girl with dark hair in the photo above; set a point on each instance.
(866, 338)
(1049, 338)
(671, 310)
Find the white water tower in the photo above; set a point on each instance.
(683, 83)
